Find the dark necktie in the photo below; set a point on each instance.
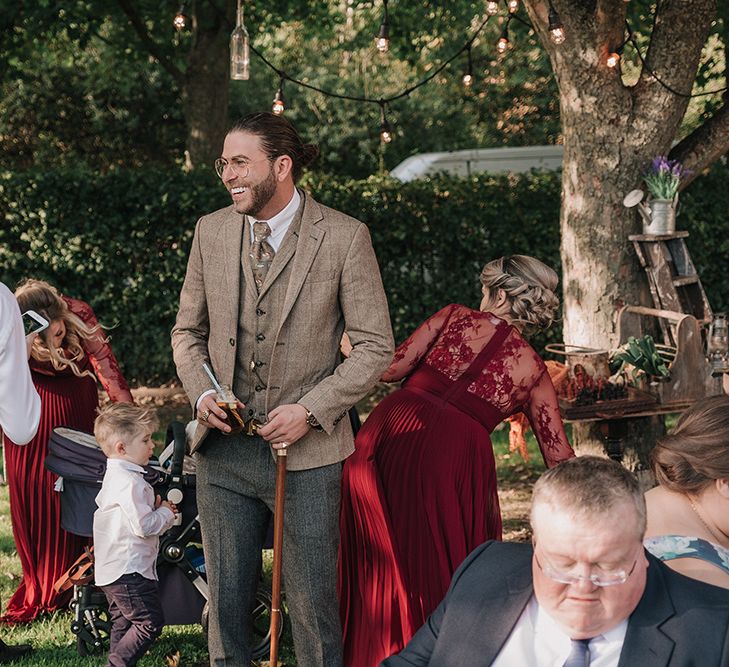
(579, 654)
(262, 252)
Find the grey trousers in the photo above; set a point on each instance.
(236, 478)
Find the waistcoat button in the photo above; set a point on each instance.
(260, 337)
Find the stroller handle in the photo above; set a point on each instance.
(176, 433)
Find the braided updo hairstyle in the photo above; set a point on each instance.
(696, 451)
(529, 287)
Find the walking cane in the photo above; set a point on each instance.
(278, 524)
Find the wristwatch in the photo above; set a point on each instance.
(312, 421)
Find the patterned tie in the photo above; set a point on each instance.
(261, 252)
(579, 654)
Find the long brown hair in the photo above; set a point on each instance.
(696, 451)
(43, 298)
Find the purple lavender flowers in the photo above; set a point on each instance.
(663, 177)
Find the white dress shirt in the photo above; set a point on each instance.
(126, 525)
(538, 641)
(19, 401)
(280, 222)
(279, 225)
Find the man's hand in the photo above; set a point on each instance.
(286, 424)
(210, 414)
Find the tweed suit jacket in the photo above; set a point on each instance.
(323, 279)
(679, 622)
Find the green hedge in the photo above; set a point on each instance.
(121, 241)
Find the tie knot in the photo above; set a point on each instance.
(261, 231)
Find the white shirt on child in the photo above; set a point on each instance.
(126, 524)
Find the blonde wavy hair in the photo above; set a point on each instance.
(529, 287)
(45, 300)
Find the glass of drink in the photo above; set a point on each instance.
(226, 399)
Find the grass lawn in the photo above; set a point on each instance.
(55, 645)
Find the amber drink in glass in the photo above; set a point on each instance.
(226, 399)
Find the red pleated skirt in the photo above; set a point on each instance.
(419, 494)
(46, 551)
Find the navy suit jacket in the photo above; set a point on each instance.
(679, 622)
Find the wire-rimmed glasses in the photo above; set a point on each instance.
(240, 167)
(602, 579)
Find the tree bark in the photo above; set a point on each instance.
(611, 132)
(205, 95)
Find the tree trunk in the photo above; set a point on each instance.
(205, 96)
(611, 132)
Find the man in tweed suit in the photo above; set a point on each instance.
(267, 311)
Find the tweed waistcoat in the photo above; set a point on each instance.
(259, 321)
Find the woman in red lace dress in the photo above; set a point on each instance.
(65, 362)
(419, 493)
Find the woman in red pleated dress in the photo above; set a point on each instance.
(419, 493)
(66, 360)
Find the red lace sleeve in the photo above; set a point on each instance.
(542, 409)
(105, 365)
(411, 351)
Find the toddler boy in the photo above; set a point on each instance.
(127, 526)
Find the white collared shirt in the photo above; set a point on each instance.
(537, 640)
(280, 222)
(126, 525)
(19, 401)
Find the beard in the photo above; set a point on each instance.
(260, 195)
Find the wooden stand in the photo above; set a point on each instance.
(674, 283)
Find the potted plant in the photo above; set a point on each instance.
(641, 358)
(662, 180)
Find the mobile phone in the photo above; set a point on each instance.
(33, 322)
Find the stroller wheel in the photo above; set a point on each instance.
(92, 622)
(261, 622)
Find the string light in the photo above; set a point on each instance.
(385, 127)
(279, 104)
(613, 58)
(240, 57)
(556, 28)
(382, 41)
(503, 44)
(513, 5)
(492, 7)
(180, 20)
(468, 76)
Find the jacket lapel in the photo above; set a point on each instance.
(308, 240)
(233, 239)
(647, 642)
(494, 622)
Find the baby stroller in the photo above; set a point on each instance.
(77, 459)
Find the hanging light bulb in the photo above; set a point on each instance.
(382, 41)
(385, 128)
(613, 59)
(492, 7)
(468, 76)
(279, 105)
(513, 5)
(180, 20)
(240, 57)
(503, 42)
(556, 28)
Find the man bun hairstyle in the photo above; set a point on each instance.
(278, 137)
(529, 287)
(696, 451)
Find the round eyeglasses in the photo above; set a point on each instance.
(612, 578)
(240, 167)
